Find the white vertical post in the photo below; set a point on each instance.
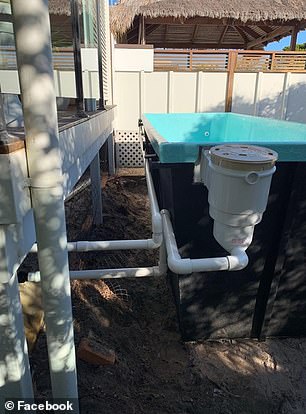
(108, 47)
(96, 197)
(257, 92)
(141, 93)
(199, 91)
(15, 376)
(170, 90)
(111, 154)
(285, 95)
(34, 58)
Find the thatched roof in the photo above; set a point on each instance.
(123, 14)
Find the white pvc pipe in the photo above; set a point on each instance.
(87, 246)
(147, 244)
(157, 226)
(133, 272)
(34, 56)
(180, 266)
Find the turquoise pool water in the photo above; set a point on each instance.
(177, 137)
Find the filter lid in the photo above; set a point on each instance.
(243, 157)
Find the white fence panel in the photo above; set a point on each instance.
(127, 99)
(155, 92)
(212, 90)
(183, 92)
(271, 95)
(244, 93)
(140, 92)
(296, 98)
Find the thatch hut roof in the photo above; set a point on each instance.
(60, 21)
(123, 14)
(274, 13)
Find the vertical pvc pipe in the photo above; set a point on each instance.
(34, 58)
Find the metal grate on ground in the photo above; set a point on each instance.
(128, 149)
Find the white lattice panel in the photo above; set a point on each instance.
(128, 149)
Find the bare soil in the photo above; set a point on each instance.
(155, 372)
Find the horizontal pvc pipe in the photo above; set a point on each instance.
(131, 272)
(87, 246)
(146, 244)
(180, 266)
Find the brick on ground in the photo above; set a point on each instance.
(93, 352)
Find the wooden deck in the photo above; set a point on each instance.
(66, 119)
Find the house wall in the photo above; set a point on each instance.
(136, 58)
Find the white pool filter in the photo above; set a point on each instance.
(238, 179)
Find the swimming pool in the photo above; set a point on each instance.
(268, 297)
(176, 137)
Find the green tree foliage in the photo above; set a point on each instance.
(301, 46)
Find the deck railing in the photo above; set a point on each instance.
(190, 60)
(220, 61)
(62, 58)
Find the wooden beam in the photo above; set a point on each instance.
(139, 30)
(195, 32)
(166, 32)
(143, 31)
(265, 28)
(280, 31)
(242, 34)
(294, 35)
(151, 29)
(251, 32)
(186, 45)
(132, 34)
(223, 33)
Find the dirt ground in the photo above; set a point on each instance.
(155, 372)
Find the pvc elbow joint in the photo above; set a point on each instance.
(180, 266)
(155, 242)
(238, 259)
